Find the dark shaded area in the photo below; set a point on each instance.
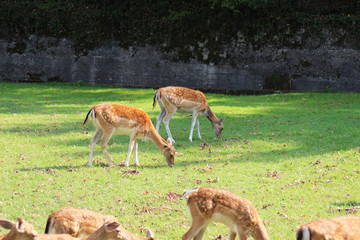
(176, 25)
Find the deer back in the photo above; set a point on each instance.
(76, 222)
(182, 98)
(339, 228)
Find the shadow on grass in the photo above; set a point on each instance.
(347, 204)
(51, 169)
(132, 169)
(50, 98)
(310, 122)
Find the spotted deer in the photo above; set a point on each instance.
(109, 230)
(82, 222)
(339, 228)
(113, 118)
(180, 99)
(217, 205)
(19, 230)
(75, 221)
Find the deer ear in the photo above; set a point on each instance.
(222, 119)
(112, 226)
(150, 234)
(7, 224)
(169, 141)
(20, 225)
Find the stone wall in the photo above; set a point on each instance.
(322, 66)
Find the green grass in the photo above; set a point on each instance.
(295, 156)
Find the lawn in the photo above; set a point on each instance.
(295, 156)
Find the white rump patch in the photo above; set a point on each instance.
(51, 229)
(306, 234)
(190, 191)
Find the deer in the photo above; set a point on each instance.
(19, 230)
(218, 205)
(113, 118)
(110, 230)
(338, 228)
(180, 99)
(75, 221)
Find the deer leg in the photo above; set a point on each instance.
(166, 121)
(201, 233)
(160, 117)
(93, 142)
(232, 235)
(136, 154)
(131, 146)
(198, 226)
(103, 144)
(198, 128)
(242, 235)
(193, 120)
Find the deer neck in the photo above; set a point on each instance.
(95, 235)
(155, 137)
(10, 235)
(210, 115)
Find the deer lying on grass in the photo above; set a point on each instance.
(82, 222)
(110, 230)
(76, 222)
(113, 118)
(180, 99)
(19, 230)
(217, 205)
(339, 228)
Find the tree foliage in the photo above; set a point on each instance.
(172, 24)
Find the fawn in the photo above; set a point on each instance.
(217, 205)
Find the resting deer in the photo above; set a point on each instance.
(180, 99)
(339, 228)
(113, 118)
(19, 230)
(217, 205)
(76, 222)
(82, 222)
(110, 230)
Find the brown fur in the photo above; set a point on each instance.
(82, 222)
(76, 222)
(19, 230)
(339, 228)
(110, 230)
(179, 99)
(212, 204)
(113, 118)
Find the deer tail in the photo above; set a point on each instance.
(303, 234)
(156, 97)
(90, 113)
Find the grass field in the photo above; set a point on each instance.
(295, 156)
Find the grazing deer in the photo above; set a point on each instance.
(339, 228)
(217, 205)
(180, 99)
(76, 222)
(113, 118)
(19, 230)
